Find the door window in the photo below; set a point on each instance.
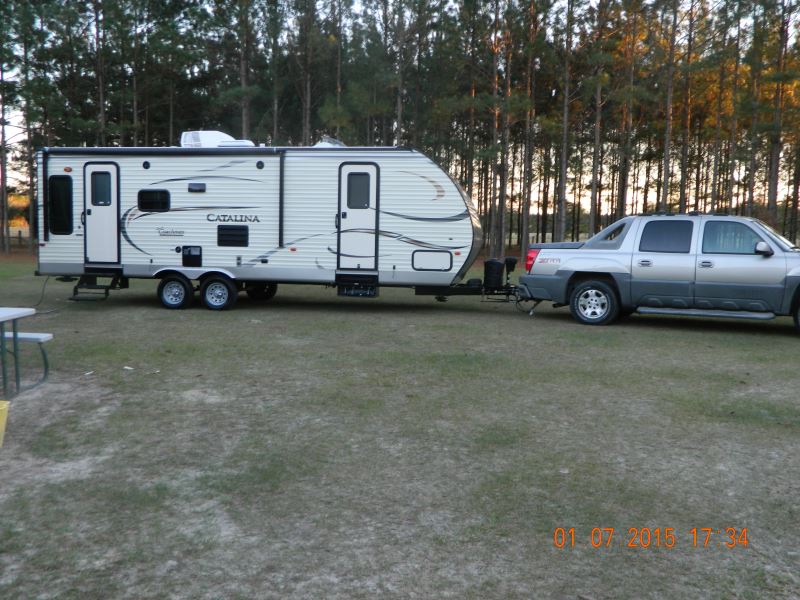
(667, 236)
(729, 237)
(358, 190)
(101, 188)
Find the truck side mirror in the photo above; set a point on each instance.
(763, 249)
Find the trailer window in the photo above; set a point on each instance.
(358, 190)
(233, 235)
(101, 188)
(153, 200)
(59, 204)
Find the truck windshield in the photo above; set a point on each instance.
(787, 245)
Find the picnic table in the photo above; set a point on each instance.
(12, 315)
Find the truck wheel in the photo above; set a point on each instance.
(175, 291)
(261, 291)
(594, 303)
(218, 292)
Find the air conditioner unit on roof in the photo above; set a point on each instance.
(212, 139)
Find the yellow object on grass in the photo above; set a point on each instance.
(3, 417)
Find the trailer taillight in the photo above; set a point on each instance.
(531, 258)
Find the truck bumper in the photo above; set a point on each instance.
(544, 287)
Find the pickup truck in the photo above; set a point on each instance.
(674, 264)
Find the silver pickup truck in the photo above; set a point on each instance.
(681, 264)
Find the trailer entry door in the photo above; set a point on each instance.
(101, 212)
(357, 219)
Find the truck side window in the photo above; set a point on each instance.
(358, 190)
(667, 236)
(729, 237)
(59, 204)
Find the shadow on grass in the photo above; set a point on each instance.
(782, 326)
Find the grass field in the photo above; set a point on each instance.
(317, 447)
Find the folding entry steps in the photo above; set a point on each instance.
(88, 287)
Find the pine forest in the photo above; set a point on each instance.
(557, 117)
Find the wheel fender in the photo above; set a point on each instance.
(193, 273)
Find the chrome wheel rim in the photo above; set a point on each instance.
(593, 304)
(174, 293)
(217, 294)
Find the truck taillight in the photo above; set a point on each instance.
(531, 258)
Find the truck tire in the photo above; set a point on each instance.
(218, 292)
(594, 303)
(175, 291)
(797, 316)
(261, 291)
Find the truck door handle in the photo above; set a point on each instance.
(705, 264)
(645, 263)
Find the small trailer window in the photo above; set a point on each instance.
(101, 188)
(59, 204)
(358, 190)
(153, 200)
(233, 235)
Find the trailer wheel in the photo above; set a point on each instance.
(261, 291)
(175, 291)
(218, 292)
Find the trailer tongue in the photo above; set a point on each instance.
(493, 288)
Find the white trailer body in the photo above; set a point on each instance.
(340, 216)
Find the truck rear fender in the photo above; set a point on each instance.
(621, 281)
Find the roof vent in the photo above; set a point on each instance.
(212, 139)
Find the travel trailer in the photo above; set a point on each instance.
(219, 215)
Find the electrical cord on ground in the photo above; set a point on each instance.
(41, 298)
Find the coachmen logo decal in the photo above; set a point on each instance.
(233, 218)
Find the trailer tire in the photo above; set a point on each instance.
(261, 291)
(218, 292)
(594, 302)
(175, 291)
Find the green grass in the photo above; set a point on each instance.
(324, 447)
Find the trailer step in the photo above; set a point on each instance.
(88, 289)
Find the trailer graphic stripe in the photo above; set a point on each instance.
(195, 177)
(452, 218)
(405, 239)
(436, 185)
(227, 165)
(126, 218)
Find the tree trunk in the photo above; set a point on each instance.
(776, 142)
(732, 143)
(665, 170)
(627, 123)
(561, 217)
(686, 114)
(717, 138)
(100, 71)
(244, 52)
(5, 230)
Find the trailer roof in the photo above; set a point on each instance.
(255, 151)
